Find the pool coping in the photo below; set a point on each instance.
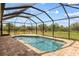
(67, 42)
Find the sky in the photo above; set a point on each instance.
(55, 14)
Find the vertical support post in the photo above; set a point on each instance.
(34, 22)
(2, 5)
(9, 28)
(53, 29)
(43, 28)
(36, 28)
(68, 20)
(15, 26)
(31, 26)
(14, 29)
(52, 22)
(24, 29)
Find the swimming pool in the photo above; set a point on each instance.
(41, 43)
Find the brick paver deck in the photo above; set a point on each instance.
(72, 50)
(12, 47)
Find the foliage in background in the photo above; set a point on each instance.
(57, 27)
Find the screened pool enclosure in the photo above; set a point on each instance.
(48, 19)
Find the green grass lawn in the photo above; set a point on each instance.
(61, 34)
(73, 35)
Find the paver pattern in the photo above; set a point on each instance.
(11, 47)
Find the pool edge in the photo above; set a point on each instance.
(37, 50)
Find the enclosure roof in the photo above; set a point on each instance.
(40, 12)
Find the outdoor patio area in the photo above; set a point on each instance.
(39, 29)
(10, 46)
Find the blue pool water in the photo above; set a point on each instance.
(41, 43)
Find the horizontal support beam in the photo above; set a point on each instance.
(11, 8)
(10, 17)
(34, 16)
(62, 19)
(72, 6)
(43, 12)
(17, 22)
(14, 13)
(23, 13)
(50, 20)
(49, 10)
(28, 18)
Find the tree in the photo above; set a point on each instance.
(62, 28)
(75, 26)
(5, 27)
(56, 27)
(21, 28)
(40, 27)
(29, 28)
